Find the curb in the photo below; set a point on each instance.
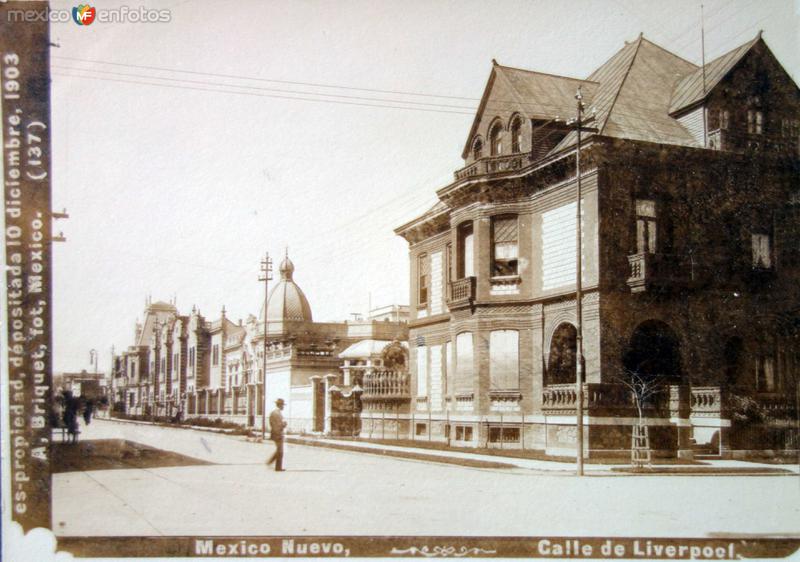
(222, 430)
(412, 455)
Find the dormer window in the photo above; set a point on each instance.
(477, 148)
(516, 135)
(496, 140)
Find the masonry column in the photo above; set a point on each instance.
(256, 405)
(724, 423)
(680, 410)
(330, 380)
(316, 380)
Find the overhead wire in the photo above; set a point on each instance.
(241, 77)
(261, 95)
(259, 88)
(493, 104)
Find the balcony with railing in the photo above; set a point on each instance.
(493, 165)
(663, 271)
(461, 292)
(386, 385)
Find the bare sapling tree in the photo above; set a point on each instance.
(643, 387)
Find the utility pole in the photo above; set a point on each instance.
(110, 390)
(266, 277)
(578, 125)
(703, 63)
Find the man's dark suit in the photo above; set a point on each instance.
(276, 427)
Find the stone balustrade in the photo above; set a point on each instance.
(492, 165)
(386, 385)
(597, 397)
(707, 400)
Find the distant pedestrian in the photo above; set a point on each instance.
(71, 416)
(88, 409)
(277, 425)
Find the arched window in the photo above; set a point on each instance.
(654, 351)
(477, 148)
(496, 139)
(563, 350)
(516, 135)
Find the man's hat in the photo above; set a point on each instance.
(279, 401)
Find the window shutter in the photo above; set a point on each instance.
(505, 229)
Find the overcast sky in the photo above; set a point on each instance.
(175, 190)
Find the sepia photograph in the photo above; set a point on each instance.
(400, 279)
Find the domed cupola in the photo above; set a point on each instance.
(287, 303)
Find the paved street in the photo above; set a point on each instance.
(329, 492)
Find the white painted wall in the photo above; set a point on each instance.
(436, 377)
(558, 246)
(278, 387)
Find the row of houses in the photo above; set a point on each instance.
(689, 253)
(191, 366)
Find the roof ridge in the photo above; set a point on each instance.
(696, 66)
(546, 74)
(621, 84)
(751, 42)
(719, 67)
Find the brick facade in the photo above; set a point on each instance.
(689, 264)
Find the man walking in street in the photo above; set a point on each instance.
(276, 428)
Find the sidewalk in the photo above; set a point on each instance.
(709, 466)
(242, 447)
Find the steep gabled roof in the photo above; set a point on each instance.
(217, 325)
(634, 95)
(545, 96)
(157, 312)
(641, 110)
(689, 91)
(534, 94)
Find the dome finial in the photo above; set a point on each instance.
(286, 302)
(287, 267)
